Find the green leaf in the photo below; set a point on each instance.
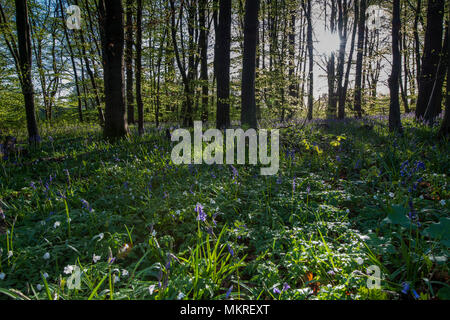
(397, 215)
(444, 293)
(440, 230)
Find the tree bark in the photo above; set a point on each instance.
(222, 64)
(138, 65)
(431, 56)
(307, 8)
(394, 107)
(203, 43)
(129, 61)
(359, 57)
(434, 107)
(112, 34)
(248, 103)
(25, 63)
(445, 127)
(74, 66)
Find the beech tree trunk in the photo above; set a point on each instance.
(24, 42)
(394, 107)
(139, 103)
(431, 56)
(112, 34)
(359, 59)
(251, 25)
(129, 61)
(445, 127)
(222, 64)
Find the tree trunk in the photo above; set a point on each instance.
(222, 64)
(431, 56)
(394, 107)
(203, 43)
(74, 66)
(417, 39)
(248, 103)
(445, 127)
(306, 4)
(112, 34)
(434, 107)
(359, 58)
(24, 41)
(343, 97)
(129, 61)
(138, 65)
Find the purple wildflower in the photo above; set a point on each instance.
(276, 290)
(86, 205)
(286, 287)
(230, 250)
(405, 287)
(229, 292)
(201, 214)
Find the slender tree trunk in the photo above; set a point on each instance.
(24, 41)
(138, 65)
(405, 54)
(129, 61)
(203, 43)
(359, 57)
(332, 102)
(343, 97)
(417, 39)
(343, 33)
(74, 66)
(293, 93)
(394, 107)
(307, 8)
(251, 25)
(112, 34)
(91, 75)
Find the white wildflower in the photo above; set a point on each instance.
(57, 224)
(46, 256)
(442, 202)
(151, 289)
(100, 237)
(2, 276)
(95, 258)
(69, 269)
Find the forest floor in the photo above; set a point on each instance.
(350, 199)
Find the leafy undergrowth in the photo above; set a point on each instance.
(349, 199)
